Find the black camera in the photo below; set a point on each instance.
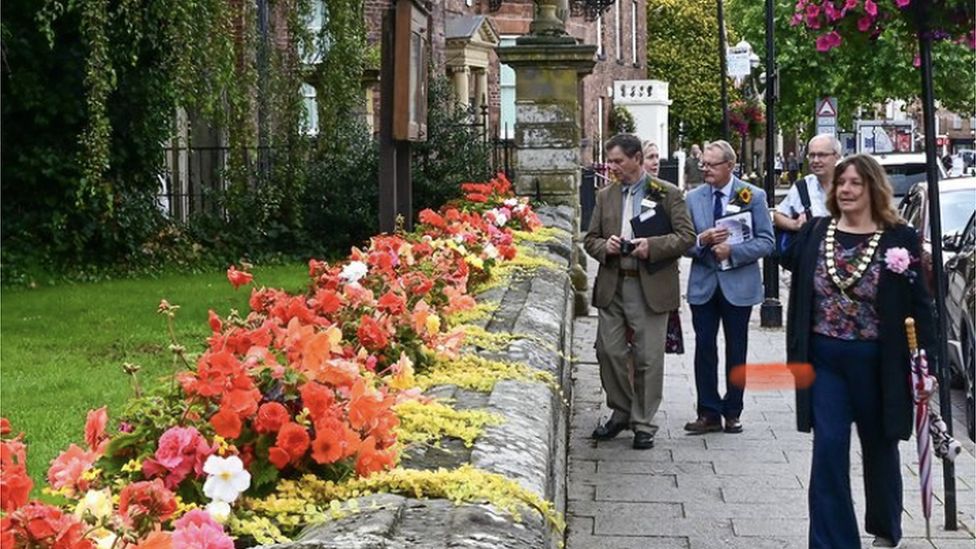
(626, 247)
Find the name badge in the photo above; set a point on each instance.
(732, 208)
(648, 203)
(644, 216)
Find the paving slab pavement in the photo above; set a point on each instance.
(718, 490)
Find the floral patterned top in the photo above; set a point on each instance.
(850, 316)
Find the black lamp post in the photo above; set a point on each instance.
(722, 72)
(771, 312)
(935, 228)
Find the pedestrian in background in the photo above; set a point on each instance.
(636, 286)
(856, 277)
(792, 167)
(807, 198)
(693, 174)
(652, 158)
(724, 284)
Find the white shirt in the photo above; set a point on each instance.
(792, 205)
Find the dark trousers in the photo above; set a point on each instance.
(735, 325)
(847, 389)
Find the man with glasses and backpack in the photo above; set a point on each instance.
(808, 196)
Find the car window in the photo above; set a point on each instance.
(957, 207)
(969, 237)
(903, 176)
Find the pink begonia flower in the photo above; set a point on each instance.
(851, 4)
(68, 468)
(796, 19)
(827, 42)
(917, 62)
(871, 8)
(813, 10)
(902, 3)
(897, 260)
(864, 23)
(813, 22)
(198, 530)
(95, 429)
(180, 451)
(831, 12)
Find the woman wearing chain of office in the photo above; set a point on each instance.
(856, 277)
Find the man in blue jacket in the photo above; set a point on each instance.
(725, 281)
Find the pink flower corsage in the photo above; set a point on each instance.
(898, 261)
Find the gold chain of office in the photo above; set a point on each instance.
(861, 262)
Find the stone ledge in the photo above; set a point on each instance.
(530, 447)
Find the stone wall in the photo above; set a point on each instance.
(530, 446)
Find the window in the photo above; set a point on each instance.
(956, 122)
(599, 37)
(310, 125)
(617, 32)
(633, 32)
(312, 53)
(506, 91)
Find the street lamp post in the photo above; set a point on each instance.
(771, 312)
(721, 63)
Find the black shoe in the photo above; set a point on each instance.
(643, 441)
(880, 541)
(733, 425)
(609, 430)
(703, 425)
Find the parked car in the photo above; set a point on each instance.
(957, 201)
(906, 169)
(960, 308)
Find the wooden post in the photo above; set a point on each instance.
(388, 149)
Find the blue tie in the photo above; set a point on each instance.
(717, 206)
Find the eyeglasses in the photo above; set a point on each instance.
(712, 165)
(816, 155)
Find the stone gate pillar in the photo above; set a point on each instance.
(549, 65)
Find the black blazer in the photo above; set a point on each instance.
(898, 297)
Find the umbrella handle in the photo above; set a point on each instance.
(912, 336)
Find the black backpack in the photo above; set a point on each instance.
(783, 236)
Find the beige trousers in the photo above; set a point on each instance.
(639, 401)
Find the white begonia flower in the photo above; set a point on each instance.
(96, 502)
(104, 539)
(500, 218)
(490, 251)
(219, 511)
(511, 202)
(227, 478)
(459, 238)
(353, 271)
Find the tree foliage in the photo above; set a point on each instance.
(682, 49)
(864, 72)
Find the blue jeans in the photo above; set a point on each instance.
(735, 324)
(846, 389)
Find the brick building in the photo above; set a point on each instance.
(465, 33)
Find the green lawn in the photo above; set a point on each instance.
(62, 347)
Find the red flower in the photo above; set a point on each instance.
(143, 504)
(392, 303)
(15, 483)
(216, 325)
(327, 301)
(432, 218)
(67, 469)
(278, 457)
(294, 439)
(244, 402)
(271, 416)
(4, 426)
(238, 278)
(95, 428)
(317, 398)
(227, 424)
(39, 525)
(372, 459)
(371, 334)
(333, 441)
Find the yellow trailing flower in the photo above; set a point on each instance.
(431, 421)
(476, 373)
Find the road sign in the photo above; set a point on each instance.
(826, 115)
(737, 59)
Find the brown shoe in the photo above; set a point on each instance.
(703, 425)
(733, 425)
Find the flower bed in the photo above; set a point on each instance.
(308, 402)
